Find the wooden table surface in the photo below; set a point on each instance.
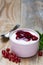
(9, 17)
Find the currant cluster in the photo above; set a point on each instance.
(25, 35)
(9, 55)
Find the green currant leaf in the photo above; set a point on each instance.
(40, 41)
(39, 33)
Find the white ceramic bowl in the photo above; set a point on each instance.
(25, 50)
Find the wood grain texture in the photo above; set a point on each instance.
(16, 11)
(32, 14)
(9, 14)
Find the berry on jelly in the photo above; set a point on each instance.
(34, 38)
(27, 36)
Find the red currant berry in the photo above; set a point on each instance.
(16, 61)
(19, 59)
(8, 49)
(9, 58)
(39, 53)
(3, 52)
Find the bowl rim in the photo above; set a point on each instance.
(24, 29)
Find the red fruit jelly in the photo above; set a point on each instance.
(25, 35)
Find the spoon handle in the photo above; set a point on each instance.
(17, 26)
(7, 35)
